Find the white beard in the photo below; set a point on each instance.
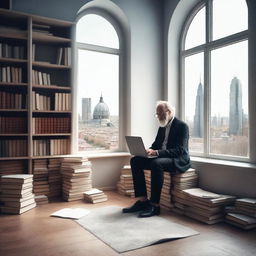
(163, 123)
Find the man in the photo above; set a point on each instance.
(171, 150)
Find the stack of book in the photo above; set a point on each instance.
(41, 199)
(95, 196)
(180, 181)
(186, 180)
(203, 205)
(16, 193)
(76, 177)
(40, 182)
(125, 184)
(11, 167)
(165, 200)
(242, 214)
(54, 177)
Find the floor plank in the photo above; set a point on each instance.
(35, 233)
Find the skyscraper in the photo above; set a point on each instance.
(86, 109)
(235, 107)
(198, 130)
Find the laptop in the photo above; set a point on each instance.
(136, 146)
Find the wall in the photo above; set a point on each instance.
(146, 80)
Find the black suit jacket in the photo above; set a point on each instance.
(177, 145)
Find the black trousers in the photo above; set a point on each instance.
(157, 166)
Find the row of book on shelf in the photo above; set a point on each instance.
(10, 100)
(13, 148)
(62, 102)
(13, 124)
(40, 78)
(41, 125)
(18, 147)
(10, 74)
(12, 51)
(47, 147)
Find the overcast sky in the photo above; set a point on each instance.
(229, 16)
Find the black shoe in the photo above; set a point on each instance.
(150, 211)
(138, 206)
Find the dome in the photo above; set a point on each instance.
(101, 110)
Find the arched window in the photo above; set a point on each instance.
(98, 79)
(214, 71)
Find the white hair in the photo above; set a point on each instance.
(167, 105)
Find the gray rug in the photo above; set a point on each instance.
(125, 232)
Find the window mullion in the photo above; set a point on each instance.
(207, 78)
(208, 21)
(207, 97)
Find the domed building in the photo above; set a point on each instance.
(101, 112)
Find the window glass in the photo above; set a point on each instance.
(94, 29)
(194, 100)
(98, 100)
(229, 100)
(229, 17)
(196, 31)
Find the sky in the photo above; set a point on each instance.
(98, 73)
(226, 62)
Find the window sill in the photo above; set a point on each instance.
(222, 162)
(107, 155)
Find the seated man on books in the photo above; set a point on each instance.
(171, 150)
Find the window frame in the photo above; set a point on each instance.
(206, 48)
(101, 49)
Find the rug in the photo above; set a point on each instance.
(125, 232)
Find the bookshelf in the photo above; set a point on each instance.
(35, 89)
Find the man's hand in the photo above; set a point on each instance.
(151, 152)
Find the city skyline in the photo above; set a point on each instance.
(234, 121)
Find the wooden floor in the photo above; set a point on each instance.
(35, 233)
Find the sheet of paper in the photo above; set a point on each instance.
(71, 213)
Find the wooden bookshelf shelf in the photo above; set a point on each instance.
(14, 158)
(18, 35)
(53, 87)
(13, 60)
(40, 37)
(13, 84)
(49, 156)
(35, 58)
(51, 111)
(13, 110)
(49, 65)
(14, 134)
(51, 134)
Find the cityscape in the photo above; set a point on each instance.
(228, 134)
(98, 129)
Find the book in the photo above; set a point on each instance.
(6, 209)
(95, 196)
(17, 178)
